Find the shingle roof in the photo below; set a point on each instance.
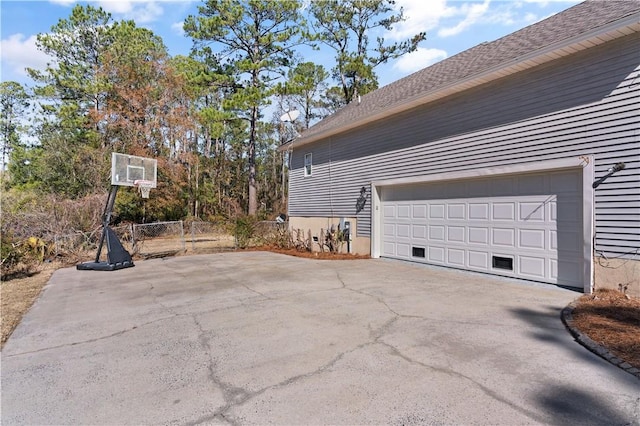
(565, 25)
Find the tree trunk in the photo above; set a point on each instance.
(253, 193)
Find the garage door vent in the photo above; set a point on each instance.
(417, 251)
(503, 263)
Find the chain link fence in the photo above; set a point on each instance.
(207, 236)
(152, 239)
(158, 238)
(76, 245)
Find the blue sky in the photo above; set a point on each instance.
(451, 25)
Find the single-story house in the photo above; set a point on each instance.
(519, 157)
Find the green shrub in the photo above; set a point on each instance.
(244, 230)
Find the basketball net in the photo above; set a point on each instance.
(144, 187)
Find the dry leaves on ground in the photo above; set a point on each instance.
(18, 295)
(612, 319)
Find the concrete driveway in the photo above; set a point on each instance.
(260, 338)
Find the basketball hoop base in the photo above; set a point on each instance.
(103, 266)
(117, 256)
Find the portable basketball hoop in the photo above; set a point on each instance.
(144, 187)
(126, 170)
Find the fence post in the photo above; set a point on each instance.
(134, 237)
(133, 241)
(193, 236)
(184, 247)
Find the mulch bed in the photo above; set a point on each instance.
(309, 255)
(612, 319)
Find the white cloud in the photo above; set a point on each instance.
(419, 18)
(178, 28)
(472, 14)
(116, 6)
(419, 59)
(545, 3)
(20, 52)
(141, 11)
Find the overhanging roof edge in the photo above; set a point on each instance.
(533, 58)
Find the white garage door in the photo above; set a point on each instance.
(523, 226)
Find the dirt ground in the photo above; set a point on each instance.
(19, 294)
(608, 317)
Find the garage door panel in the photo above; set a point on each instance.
(436, 232)
(520, 226)
(403, 211)
(456, 211)
(455, 234)
(478, 236)
(532, 266)
(403, 250)
(436, 254)
(419, 211)
(504, 237)
(504, 211)
(389, 249)
(389, 211)
(419, 231)
(436, 211)
(389, 230)
(531, 211)
(402, 230)
(478, 211)
(532, 238)
(478, 260)
(552, 210)
(455, 257)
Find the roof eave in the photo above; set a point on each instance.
(605, 33)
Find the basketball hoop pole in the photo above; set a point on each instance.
(117, 256)
(126, 170)
(106, 218)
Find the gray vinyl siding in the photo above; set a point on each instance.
(587, 104)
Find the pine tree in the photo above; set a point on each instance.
(256, 40)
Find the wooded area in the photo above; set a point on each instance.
(112, 87)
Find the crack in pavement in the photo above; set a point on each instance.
(235, 396)
(232, 395)
(172, 315)
(489, 392)
(246, 396)
(381, 331)
(256, 291)
(96, 339)
(378, 299)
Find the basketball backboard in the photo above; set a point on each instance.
(127, 169)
